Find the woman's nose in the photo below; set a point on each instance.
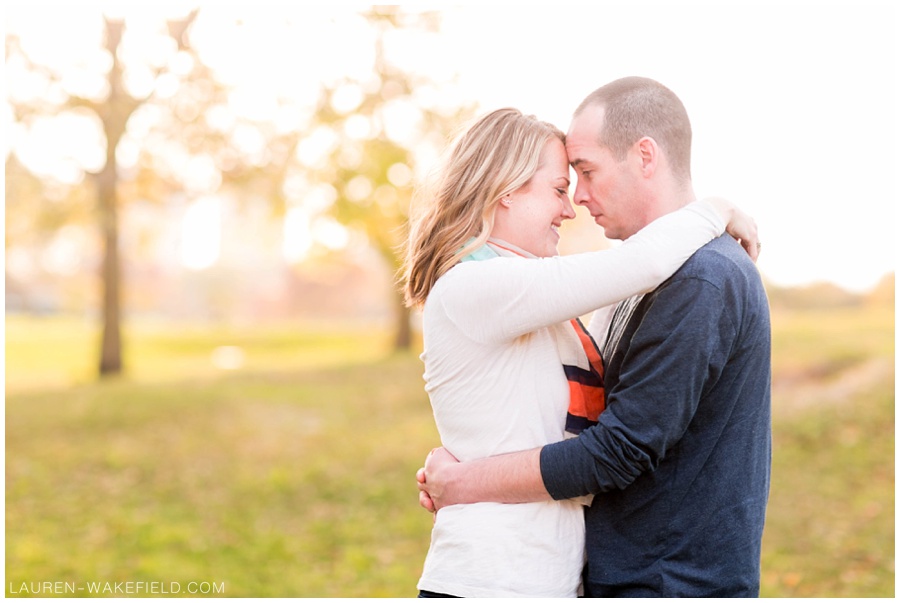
(568, 211)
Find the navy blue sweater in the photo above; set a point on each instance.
(679, 462)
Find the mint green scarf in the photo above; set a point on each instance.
(481, 253)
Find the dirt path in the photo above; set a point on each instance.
(797, 393)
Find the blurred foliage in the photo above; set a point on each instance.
(292, 475)
(36, 208)
(154, 101)
(370, 170)
(828, 295)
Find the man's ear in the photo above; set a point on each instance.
(648, 154)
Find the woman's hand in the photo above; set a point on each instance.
(740, 225)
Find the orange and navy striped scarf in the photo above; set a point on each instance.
(578, 352)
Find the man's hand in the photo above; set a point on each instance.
(514, 477)
(431, 488)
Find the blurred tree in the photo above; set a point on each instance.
(113, 104)
(373, 129)
(883, 293)
(114, 112)
(168, 130)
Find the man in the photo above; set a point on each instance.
(679, 462)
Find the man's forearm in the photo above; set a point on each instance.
(507, 478)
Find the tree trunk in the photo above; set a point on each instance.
(114, 114)
(402, 328)
(111, 342)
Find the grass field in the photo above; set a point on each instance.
(830, 523)
(293, 475)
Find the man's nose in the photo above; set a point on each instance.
(580, 197)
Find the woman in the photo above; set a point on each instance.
(499, 344)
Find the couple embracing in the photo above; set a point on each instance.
(639, 447)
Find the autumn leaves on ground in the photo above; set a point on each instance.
(291, 474)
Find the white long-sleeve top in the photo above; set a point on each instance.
(496, 384)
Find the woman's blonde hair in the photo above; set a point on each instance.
(495, 156)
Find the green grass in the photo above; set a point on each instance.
(59, 352)
(830, 522)
(294, 475)
(292, 482)
(830, 525)
(819, 343)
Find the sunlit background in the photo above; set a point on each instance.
(793, 110)
(209, 197)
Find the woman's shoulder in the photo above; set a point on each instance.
(476, 270)
(467, 279)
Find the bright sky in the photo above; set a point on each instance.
(793, 105)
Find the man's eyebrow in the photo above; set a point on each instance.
(577, 162)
